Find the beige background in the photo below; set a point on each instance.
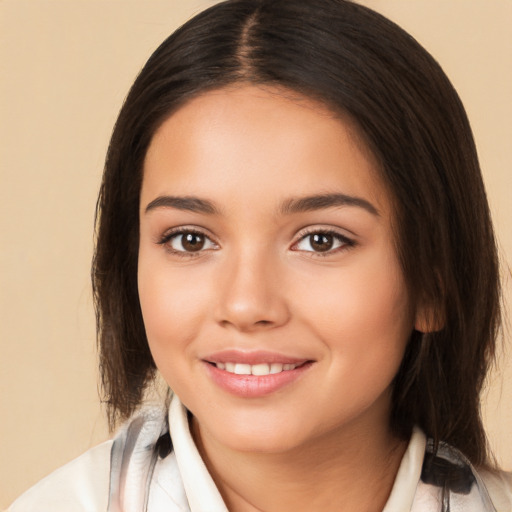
(65, 68)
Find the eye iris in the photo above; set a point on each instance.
(322, 242)
(192, 242)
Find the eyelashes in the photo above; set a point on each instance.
(323, 242)
(190, 242)
(187, 242)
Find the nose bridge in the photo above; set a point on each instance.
(251, 297)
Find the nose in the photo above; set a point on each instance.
(252, 296)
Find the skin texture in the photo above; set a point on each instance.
(321, 441)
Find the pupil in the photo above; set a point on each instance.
(193, 242)
(322, 242)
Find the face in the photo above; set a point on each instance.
(273, 300)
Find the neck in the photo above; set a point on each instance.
(352, 468)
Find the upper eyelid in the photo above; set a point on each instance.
(169, 233)
(310, 230)
(348, 241)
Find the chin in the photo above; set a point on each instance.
(269, 435)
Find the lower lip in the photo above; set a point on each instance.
(254, 386)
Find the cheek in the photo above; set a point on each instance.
(173, 305)
(364, 316)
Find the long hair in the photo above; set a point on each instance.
(361, 65)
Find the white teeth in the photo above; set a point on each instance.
(242, 369)
(276, 368)
(255, 369)
(260, 369)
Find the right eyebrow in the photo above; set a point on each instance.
(187, 203)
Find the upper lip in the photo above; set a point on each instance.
(253, 357)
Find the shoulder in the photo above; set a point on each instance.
(82, 485)
(448, 475)
(499, 487)
(135, 468)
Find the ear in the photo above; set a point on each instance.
(428, 319)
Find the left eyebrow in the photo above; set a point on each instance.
(324, 201)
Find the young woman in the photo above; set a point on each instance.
(293, 232)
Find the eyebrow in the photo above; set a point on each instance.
(187, 203)
(290, 206)
(324, 201)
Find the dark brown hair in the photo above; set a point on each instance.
(363, 66)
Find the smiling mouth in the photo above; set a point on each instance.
(255, 375)
(260, 369)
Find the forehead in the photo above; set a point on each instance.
(263, 141)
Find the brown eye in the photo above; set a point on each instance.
(188, 242)
(192, 242)
(321, 242)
